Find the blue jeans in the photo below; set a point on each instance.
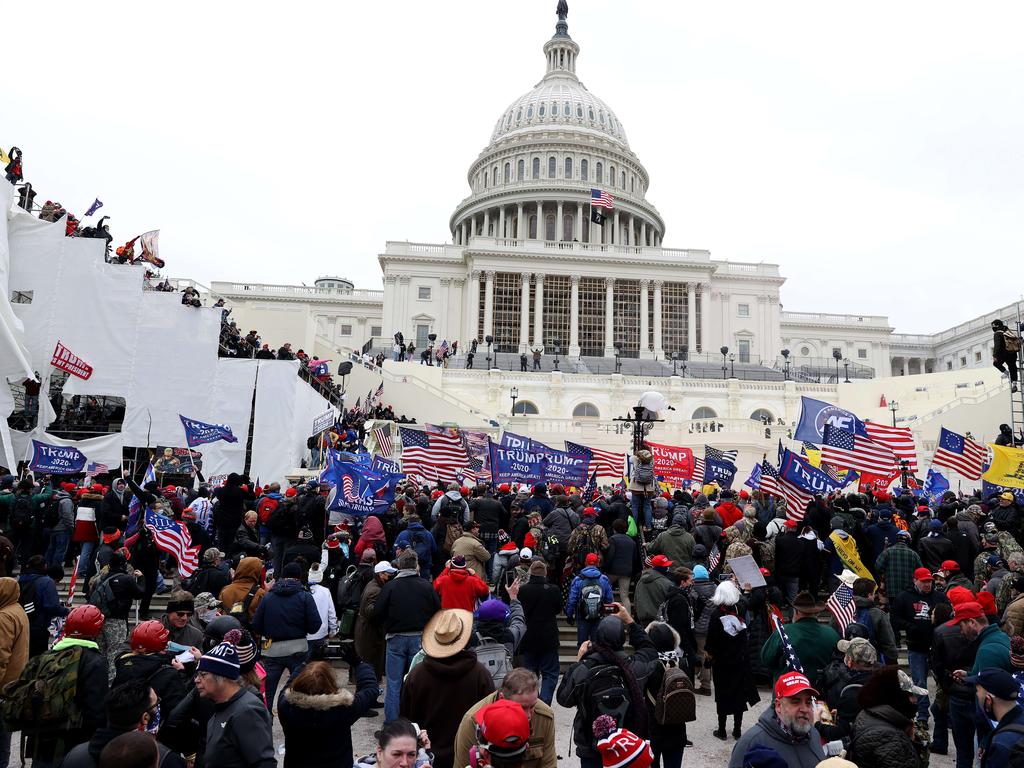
(668, 759)
(401, 649)
(57, 548)
(545, 666)
(641, 506)
(86, 556)
(585, 630)
(940, 730)
(275, 667)
(918, 662)
(961, 720)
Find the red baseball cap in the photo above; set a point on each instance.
(502, 728)
(964, 611)
(589, 512)
(957, 595)
(660, 561)
(792, 683)
(987, 601)
(923, 574)
(592, 559)
(949, 565)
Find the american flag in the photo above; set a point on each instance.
(601, 199)
(590, 489)
(853, 451)
(173, 538)
(375, 397)
(899, 440)
(135, 506)
(716, 454)
(792, 660)
(714, 558)
(474, 442)
(433, 455)
(796, 498)
(473, 472)
(806, 448)
(442, 350)
(840, 604)
(383, 437)
(960, 454)
(95, 468)
(605, 463)
(830, 470)
(698, 469)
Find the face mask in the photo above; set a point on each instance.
(207, 616)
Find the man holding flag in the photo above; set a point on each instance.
(810, 641)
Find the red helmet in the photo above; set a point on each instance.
(150, 637)
(84, 621)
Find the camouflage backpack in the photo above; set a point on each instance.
(43, 698)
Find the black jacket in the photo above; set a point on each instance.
(126, 589)
(287, 612)
(246, 542)
(209, 578)
(788, 555)
(542, 602)
(156, 670)
(680, 617)
(112, 510)
(406, 603)
(912, 612)
(487, 511)
(933, 550)
(952, 651)
(229, 510)
(87, 755)
(239, 734)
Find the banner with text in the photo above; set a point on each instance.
(516, 465)
(56, 459)
(672, 463)
(200, 433)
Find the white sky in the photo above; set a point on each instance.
(873, 150)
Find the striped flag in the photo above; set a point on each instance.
(433, 455)
(442, 350)
(698, 469)
(605, 463)
(847, 449)
(383, 437)
(95, 468)
(714, 557)
(473, 472)
(135, 506)
(960, 454)
(599, 198)
(840, 604)
(792, 660)
(590, 489)
(375, 397)
(899, 440)
(716, 454)
(173, 538)
(796, 498)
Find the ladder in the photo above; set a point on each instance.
(1017, 398)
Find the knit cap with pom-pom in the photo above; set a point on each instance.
(603, 725)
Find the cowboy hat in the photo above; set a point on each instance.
(447, 633)
(806, 603)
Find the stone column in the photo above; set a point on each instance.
(559, 230)
(609, 319)
(524, 313)
(540, 221)
(474, 305)
(691, 318)
(574, 316)
(538, 311)
(905, 367)
(489, 304)
(442, 328)
(643, 231)
(578, 228)
(704, 339)
(487, 223)
(616, 232)
(659, 352)
(501, 221)
(645, 328)
(520, 234)
(630, 237)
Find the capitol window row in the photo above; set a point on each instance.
(517, 169)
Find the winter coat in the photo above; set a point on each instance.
(1013, 617)
(47, 605)
(589, 573)
(372, 531)
(239, 734)
(464, 681)
(729, 513)
(911, 612)
(470, 547)
(933, 550)
(229, 510)
(113, 509)
(952, 651)
(789, 555)
(542, 602)
(487, 511)
(87, 518)
(248, 573)
(209, 578)
(246, 542)
(287, 612)
(422, 542)
(705, 533)
(540, 750)
(460, 588)
(189, 635)
(813, 643)
(734, 683)
(880, 739)
(879, 628)
(87, 754)
(14, 632)
(620, 560)
(126, 588)
(676, 544)
(679, 612)
(993, 650)
(306, 718)
(154, 669)
(702, 589)
(560, 525)
(795, 752)
(406, 603)
(881, 535)
(65, 512)
(651, 591)
(1002, 742)
(369, 637)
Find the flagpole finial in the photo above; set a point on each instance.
(562, 27)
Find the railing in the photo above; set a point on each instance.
(577, 426)
(676, 255)
(877, 321)
(268, 289)
(405, 248)
(986, 394)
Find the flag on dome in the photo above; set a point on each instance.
(601, 199)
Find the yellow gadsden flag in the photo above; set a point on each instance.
(1007, 467)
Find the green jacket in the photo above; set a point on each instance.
(651, 591)
(993, 650)
(675, 543)
(812, 642)
(6, 504)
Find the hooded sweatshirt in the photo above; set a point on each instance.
(372, 531)
(796, 752)
(14, 632)
(460, 588)
(248, 573)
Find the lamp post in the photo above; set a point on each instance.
(640, 424)
(732, 366)
(684, 354)
(674, 358)
(904, 471)
(618, 362)
(514, 394)
(785, 366)
(725, 354)
(489, 340)
(838, 356)
(894, 406)
(846, 370)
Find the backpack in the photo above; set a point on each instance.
(495, 658)
(27, 598)
(380, 549)
(550, 548)
(240, 610)
(350, 589)
(591, 600)
(1011, 341)
(50, 511)
(43, 698)
(102, 595)
(605, 692)
(21, 513)
(452, 531)
(644, 473)
(266, 508)
(418, 541)
(583, 546)
(1017, 751)
(676, 702)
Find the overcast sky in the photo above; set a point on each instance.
(873, 150)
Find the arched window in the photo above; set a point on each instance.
(529, 112)
(762, 415)
(525, 408)
(536, 168)
(704, 413)
(554, 109)
(541, 110)
(551, 167)
(568, 168)
(533, 227)
(599, 173)
(549, 227)
(611, 175)
(579, 111)
(508, 173)
(623, 185)
(590, 113)
(586, 411)
(521, 170)
(567, 222)
(494, 175)
(583, 170)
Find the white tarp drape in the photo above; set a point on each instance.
(231, 404)
(14, 355)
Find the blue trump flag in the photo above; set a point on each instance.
(566, 468)
(936, 484)
(56, 459)
(383, 466)
(516, 465)
(200, 433)
(815, 414)
(988, 490)
(512, 440)
(801, 473)
(754, 481)
(356, 490)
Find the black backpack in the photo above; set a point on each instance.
(27, 598)
(350, 589)
(21, 513)
(50, 511)
(1017, 751)
(606, 692)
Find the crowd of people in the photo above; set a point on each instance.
(446, 612)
